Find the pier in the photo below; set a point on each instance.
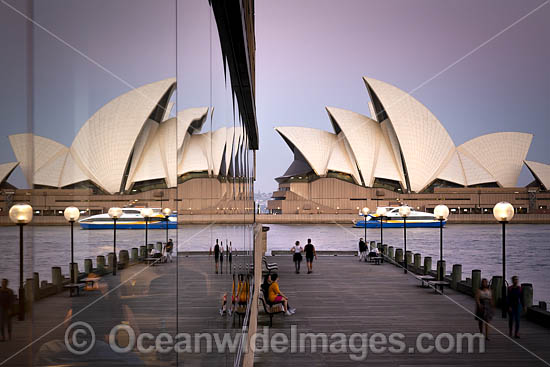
(342, 295)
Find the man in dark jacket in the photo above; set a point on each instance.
(515, 306)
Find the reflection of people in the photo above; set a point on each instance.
(6, 301)
(216, 254)
(169, 249)
(362, 249)
(230, 255)
(276, 296)
(515, 303)
(310, 253)
(484, 307)
(221, 256)
(297, 257)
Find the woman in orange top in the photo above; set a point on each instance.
(276, 296)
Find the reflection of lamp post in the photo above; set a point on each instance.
(71, 215)
(404, 212)
(381, 212)
(503, 212)
(21, 214)
(166, 212)
(146, 213)
(114, 213)
(441, 213)
(365, 211)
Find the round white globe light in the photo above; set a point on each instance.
(381, 211)
(115, 212)
(441, 212)
(404, 211)
(168, 211)
(365, 211)
(21, 213)
(146, 212)
(71, 214)
(503, 211)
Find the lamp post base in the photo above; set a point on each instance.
(21, 315)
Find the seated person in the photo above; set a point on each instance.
(374, 252)
(276, 296)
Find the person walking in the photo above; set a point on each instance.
(484, 307)
(515, 306)
(216, 254)
(297, 257)
(362, 249)
(6, 302)
(310, 254)
(230, 256)
(221, 256)
(169, 249)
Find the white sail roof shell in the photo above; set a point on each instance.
(339, 160)
(6, 169)
(423, 140)
(501, 154)
(104, 144)
(314, 144)
(541, 172)
(34, 152)
(453, 171)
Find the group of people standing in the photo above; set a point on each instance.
(485, 304)
(310, 253)
(219, 251)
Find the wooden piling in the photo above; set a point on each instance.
(417, 261)
(100, 263)
(456, 276)
(391, 253)
(88, 266)
(496, 289)
(134, 255)
(399, 255)
(57, 278)
(441, 268)
(409, 257)
(476, 280)
(527, 294)
(427, 264)
(123, 257)
(143, 251)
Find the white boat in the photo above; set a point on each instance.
(131, 219)
(393, 219)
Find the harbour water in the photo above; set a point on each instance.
(473, 246)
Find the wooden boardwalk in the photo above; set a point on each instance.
(344, 295)
(341, 296)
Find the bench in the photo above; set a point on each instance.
(271, 310)
(425, 279)
(91, 283)
(269, 266)
(438, 283)
(74, 286)
(377, 260)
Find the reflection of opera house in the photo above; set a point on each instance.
(403, 154)
(129, 153)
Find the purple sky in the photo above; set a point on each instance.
(310, 54)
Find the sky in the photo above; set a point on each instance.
(309, 54)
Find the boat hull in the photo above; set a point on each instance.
(122, 225)
(397, 224)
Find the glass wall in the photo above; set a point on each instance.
(126, 111)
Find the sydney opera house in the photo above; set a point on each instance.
(402, 153)
(130, 152)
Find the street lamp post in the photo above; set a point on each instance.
(21, 214)
(114, 213)
(365, 211)
(72, 214)
(441, 213)
(381, 211)
(167, 212)
(146, 213)
(404, 212)
(503, 212)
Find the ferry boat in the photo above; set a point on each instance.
(131, 219)
(393, 219)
